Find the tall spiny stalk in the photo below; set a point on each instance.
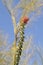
(20, 45)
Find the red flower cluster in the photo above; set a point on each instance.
(25, 19)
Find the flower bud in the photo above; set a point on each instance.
(25, 19)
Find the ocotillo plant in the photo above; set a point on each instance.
(28, 6)
(20, 43)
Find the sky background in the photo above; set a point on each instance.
(6, 25)
(35, 28)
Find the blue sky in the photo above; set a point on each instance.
(5, 22)
(35, 29)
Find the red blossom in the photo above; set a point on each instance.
(25, 19)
